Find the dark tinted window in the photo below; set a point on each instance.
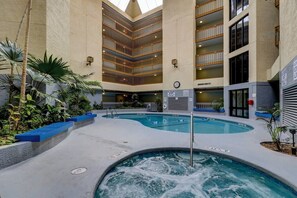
(239, 34)
(237, 6)
(239, 69)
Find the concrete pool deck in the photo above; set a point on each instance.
(97, 146)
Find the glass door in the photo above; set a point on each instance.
(239, 103)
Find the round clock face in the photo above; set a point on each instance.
(176, 84)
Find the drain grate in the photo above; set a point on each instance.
(78, 171)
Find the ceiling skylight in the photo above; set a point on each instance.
(147, 5)
(122, 4)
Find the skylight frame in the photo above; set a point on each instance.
(145, 5)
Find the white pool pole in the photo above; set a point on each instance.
(191, 139)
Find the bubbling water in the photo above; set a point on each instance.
(168, 175)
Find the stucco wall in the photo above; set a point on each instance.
(288, 29)
(178, 43)
(58, 28)
(267, 19)
(263, 17)
(86, 37)
(11, 12)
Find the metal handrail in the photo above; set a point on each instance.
(191, 138)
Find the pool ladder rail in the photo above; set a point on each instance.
(112, 112)
(192, 137)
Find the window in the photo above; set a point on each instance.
(239, 69)
(237, 6)
(239, 103)
(239, 34)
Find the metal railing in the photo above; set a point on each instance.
(204, 105)
(210, 58)
(209, 7)
(148, 49)
(210, 32)
(191, 138)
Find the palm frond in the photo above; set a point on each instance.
(11, 52)
(53, 67)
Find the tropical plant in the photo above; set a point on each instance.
(11, 56)
(217, 105)
(30, 114)
(53, 114)
(274, 127)
(97, 106)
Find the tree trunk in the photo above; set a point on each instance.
(24, 66)
(11, 83)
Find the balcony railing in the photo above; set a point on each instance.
(148, 29)
(114, 78)
(277, 36)
(211, 58)
(209, 33)
(156, 47)
(209, 7)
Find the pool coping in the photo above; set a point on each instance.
(251, 128)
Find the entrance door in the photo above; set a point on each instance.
(239, 103)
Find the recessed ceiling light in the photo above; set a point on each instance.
(155, 94)
(103, 72)
(103, 30)
(103, 51)
(200, 21)
(200, 92)
(155, 74)
(200, 68)
(199, 45)
(156, 55)
(156, 36)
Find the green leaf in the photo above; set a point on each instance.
(29, 97)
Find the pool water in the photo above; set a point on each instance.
(168, 175)
(178, 123)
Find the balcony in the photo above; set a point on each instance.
(277, 36)
(209, 7)
(147, 49)
(148, 29)
(211, 58)
(209, 33)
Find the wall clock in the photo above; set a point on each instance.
(176, 84)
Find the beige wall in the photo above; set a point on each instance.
(58, 28)
(49, 25)
(178, 43)
(263, 17)
(267, 19)
(11, 12)
(288, 31)
(86, 37)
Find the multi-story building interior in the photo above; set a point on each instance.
(189, 53)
